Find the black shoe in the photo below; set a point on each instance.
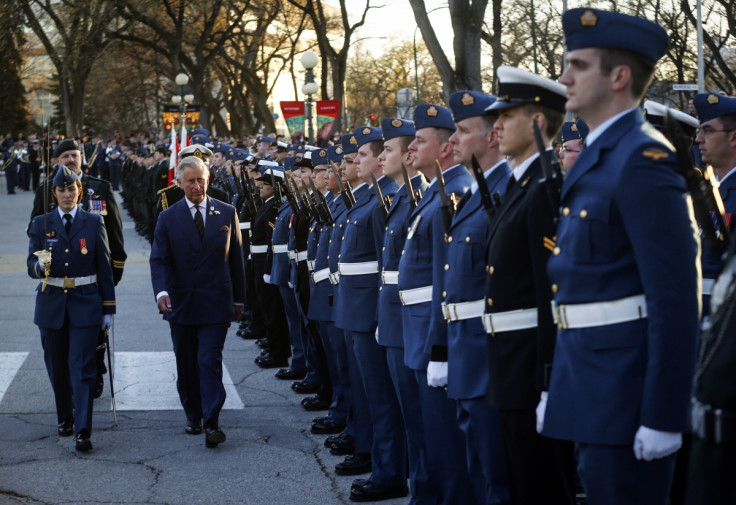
(269, 361)
(360, 482)
(336, 439)
(327, 427)
(193, 428)
(345, 446)
(100, 386)
(289, 374)
(304, 387)
(82, 443)
(213, 436)
(315, 403)
(377, 492)
(354, 465)
(262, 342)
(66, 427)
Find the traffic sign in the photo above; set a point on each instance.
(684, 87)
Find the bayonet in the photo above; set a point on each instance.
(409, 188)
(485, 194)
(347, 196)
(445, 207)
(379, 195)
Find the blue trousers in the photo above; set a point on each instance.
(294, 322)
(69, 354)
(198, 351)
(339, 407)
(361, 415)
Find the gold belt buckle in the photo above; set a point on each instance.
(446, 311)
(69, 282)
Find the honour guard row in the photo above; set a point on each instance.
(482, 319)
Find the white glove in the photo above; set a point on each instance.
(437, 374)
(106, 321)
(267, 278)
(541, 408)
(376, 334)
(41, 265)
(652, 444)
(290, 284)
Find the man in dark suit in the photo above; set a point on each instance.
(198, 278)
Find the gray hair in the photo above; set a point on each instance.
(191, 161)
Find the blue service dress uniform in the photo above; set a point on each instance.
(70, 318)
(391, 336)
(357, 297)
(626, 236)
(445, 442)
(458, 337)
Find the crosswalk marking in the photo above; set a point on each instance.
(147, 381)
(10, 363)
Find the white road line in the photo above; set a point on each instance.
(10, 363)
(147, 381)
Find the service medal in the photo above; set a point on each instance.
(83, 245)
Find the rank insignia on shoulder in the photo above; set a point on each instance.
(272, 225)
(549, 243)
(655, 154)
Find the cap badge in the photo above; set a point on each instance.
(588, 18)
(338, 150)
(396, 123)
(467, 99)
(713, 99)
(353, 140)
(574, 127)
(366, 131)
(322, 153)
(432, 111)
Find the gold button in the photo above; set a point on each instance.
(449, 239)
(65, 291)
(387, 228)
(338, 256)
(566, 211)
(408, 229)
(380, 288)
(330, 241)
(66, 264)
(348, 220)
(490, 302)
(392, 232)
(556, 251)
(66, 250)
(383, 248)
(444, 294)
(447, 267)
(491, 269)
(402, 252)
(583, 213)
(467, 239)
(554, 288)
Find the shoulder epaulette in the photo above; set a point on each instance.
(160, 191)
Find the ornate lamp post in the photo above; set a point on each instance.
(309, 60)
(183, 98)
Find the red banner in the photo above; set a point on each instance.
(330, 108)
(291, 109)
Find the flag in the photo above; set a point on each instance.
(184, 141)
(174, 152)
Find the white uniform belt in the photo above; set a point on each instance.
(462, 311)
(390, 277)
(416, 295)
(279, 248)
(320, 275)
(299, 256)
(708, 286)
(584, 315)
(334, 278)
(365, 268)
(71, 282)
(310, 265)
(245, 226)
(511, 320)
(258, 249)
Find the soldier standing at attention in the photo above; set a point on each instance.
(624, 273)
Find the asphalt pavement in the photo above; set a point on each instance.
(270, 457)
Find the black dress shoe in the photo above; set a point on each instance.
(269, 361)
(304, 387)
(344, 446)
(335, 439)
(354, 465)
(193, 428)
(213, 435)
(315, 403)
(66, 427)
(360, 482)
(262, 342)
(100, 386)
(289, 374)
(377, 492)
(327, 427)
(82, 443)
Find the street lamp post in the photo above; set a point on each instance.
(309, 60)
(183, 98)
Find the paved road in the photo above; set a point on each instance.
(270, 456)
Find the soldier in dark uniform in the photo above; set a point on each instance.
(97, 198)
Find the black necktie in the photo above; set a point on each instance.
(198, 222)
(68, 224)
(510, 184)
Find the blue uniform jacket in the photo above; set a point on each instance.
(357, 295)
(339, 210)
(464, 342)
(320, 308)
(416, 268)
(203, 277)
(711, 260)
(84, 304)
(625, 229)
(390, 331)
(280, 261)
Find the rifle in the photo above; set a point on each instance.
(110, 369)
(444, 201)
(347, 193)
(551, 173)
(323, 206)
(290, 196)
(307, 201)
(409, 189)
(485, 194)
(381, 201)
(94, 154)
(707, 202)
(275, 187)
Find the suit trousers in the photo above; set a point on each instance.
(296, 328)
(69, 354)
(361, 413)
(198, 351)
(338, 408)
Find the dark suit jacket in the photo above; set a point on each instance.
(203, 277)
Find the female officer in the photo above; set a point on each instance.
(74, 300)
